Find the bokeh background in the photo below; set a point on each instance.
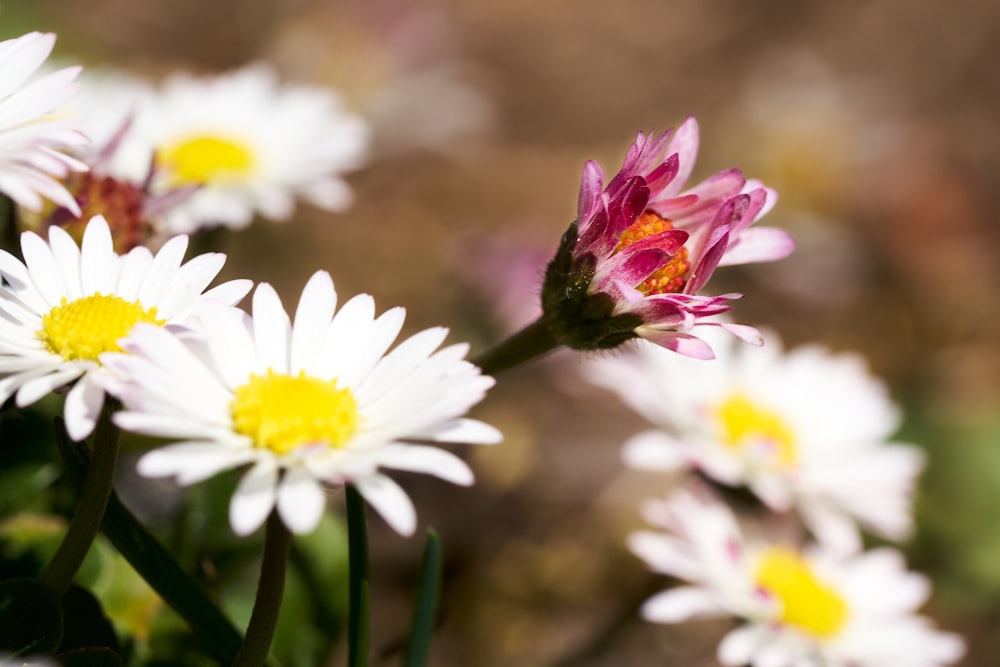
(876, 121)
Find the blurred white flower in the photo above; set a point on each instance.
(250, 144)
(31, 139)
(803, 608)
(310, 401)
(806, 430)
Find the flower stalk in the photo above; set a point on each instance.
(270, 587)
(359, 605)
(94, 495)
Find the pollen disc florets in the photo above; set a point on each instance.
(86, 327)
(284, 412)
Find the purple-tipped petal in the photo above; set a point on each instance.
(684, 145)
(591, 185)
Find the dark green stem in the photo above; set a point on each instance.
(270, 587)
(359, 607)
(532, 341)
(426, 604)
(94, 495)
(155, 564)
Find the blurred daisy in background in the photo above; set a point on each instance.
(308, 401)
(65, 305)
(248, 145)
(32, 141)
(802, 607)
(804, 430)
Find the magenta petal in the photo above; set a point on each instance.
(758, 244)
(633, 268)
(681, 343)
(659, 178)
(666, 207)
(660, 312)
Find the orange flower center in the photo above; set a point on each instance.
(668, 279)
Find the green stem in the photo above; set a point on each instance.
(94, 495)
(270, 587)
(426, 605)
(155, 564)
(532, 341)
(359, 607)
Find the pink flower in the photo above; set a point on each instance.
(642, 248)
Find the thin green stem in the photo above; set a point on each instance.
(155, 564)
(270, 587)
(532, 341)
(94, 495)
(426, 604)
(359, 607)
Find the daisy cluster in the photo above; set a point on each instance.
(311, 400)
(99, 305)
(807, 433)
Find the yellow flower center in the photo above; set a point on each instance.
(208, 160)
(668, 279)
(744, 424)
(284, 412)
(806, 602)
(86, 327)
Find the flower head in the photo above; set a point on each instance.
(31, 142)
(310, 401)
(247, 143)
(642, 248)
(805, 430)
(65, 305)
(802, 607)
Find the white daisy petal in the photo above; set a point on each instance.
(83, 406)
(31, 131)
(301, 501)
(36, 388)
(97, 258)
(254, 498)
(429, 460)
(390, 501)
(312, 319)
(271, 329)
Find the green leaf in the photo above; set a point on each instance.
(426, 604)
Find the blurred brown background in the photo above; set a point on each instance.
(876, 121)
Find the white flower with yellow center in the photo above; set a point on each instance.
(806, 430)
(31, 139)
(65, 305)
(308, 402)
(252, 144)
(803, 608)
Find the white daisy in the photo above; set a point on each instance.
(31, 142)
(252, 143)
(310, 401)
(806, 430)
(803, 608)
(65, 305)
